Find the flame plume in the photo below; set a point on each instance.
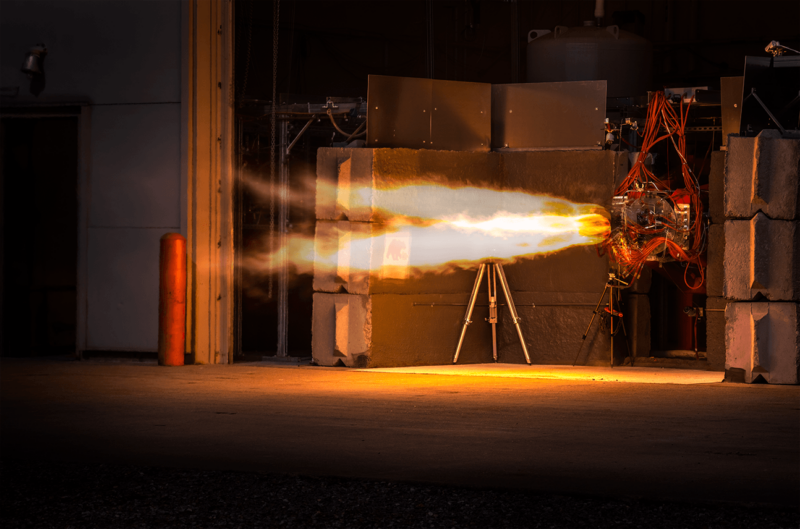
(429, 227)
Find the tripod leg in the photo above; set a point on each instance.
(596, 310)
(470, 306)
(513, 309)
(494, 341)
(594, 314)
(492, 282)
(611, 323)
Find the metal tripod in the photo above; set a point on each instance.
(612, 283)
(495, 270)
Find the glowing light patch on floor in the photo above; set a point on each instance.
(639, 375)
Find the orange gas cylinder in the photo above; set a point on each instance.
(172, 300)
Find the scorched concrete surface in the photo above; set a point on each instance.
(719, 442)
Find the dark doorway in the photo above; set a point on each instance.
(676, 333)
(39, 234)
(258, 309)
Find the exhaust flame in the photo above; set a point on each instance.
(429, 227)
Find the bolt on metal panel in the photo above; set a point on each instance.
(428, 114)
(731, 102)
(462, 116)
(549, 116)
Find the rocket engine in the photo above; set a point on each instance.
(649, 221)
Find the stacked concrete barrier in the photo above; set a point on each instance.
(754, 270)
(379, 319)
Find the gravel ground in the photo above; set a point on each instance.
(86, 496)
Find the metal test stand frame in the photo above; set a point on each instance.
(495, 270)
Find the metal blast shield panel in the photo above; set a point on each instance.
(731, 103)
(428, 114)
(549, 116)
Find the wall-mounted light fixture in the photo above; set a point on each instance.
(33, 63)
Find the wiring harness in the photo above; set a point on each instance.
(650, 221)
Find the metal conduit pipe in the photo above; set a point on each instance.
(356, 134)
(343, 133)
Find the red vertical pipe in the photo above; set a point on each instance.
(172, 300)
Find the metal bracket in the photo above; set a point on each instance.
(305, 127)
(773, 118)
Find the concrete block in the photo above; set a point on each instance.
(553, 329)
(341, 329)
(637, 323)
(716, 253)
(580, 176)
(343, 256)
(391, 330)
(360, 258)
(566, 284)
(420, 183)
(575, 270)
(423, 329)
(716, 188)
(762, 174)
(392, 167)
(761, 257)
(763, 339)
(715, 332)
(361, 184)
(354, 191)
(328, 162)
(367, 180)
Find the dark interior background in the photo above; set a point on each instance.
(39, 245)
(328, 48)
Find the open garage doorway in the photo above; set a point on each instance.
(39, 233)
(258, 209)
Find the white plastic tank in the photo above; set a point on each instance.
(591, 53)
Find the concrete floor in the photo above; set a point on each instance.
(701, 442)
(641, 375)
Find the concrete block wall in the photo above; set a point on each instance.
(762, 339)
(753, 265)
(761, 174)
(760, 259)
(715, 303)
(416, 320)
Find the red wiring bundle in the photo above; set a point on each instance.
(663, 122)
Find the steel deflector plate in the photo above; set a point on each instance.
(549, 116)
(428, 114)
(731, 103)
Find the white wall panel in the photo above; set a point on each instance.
(120, 51)
(123, 289)
(135, 181)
